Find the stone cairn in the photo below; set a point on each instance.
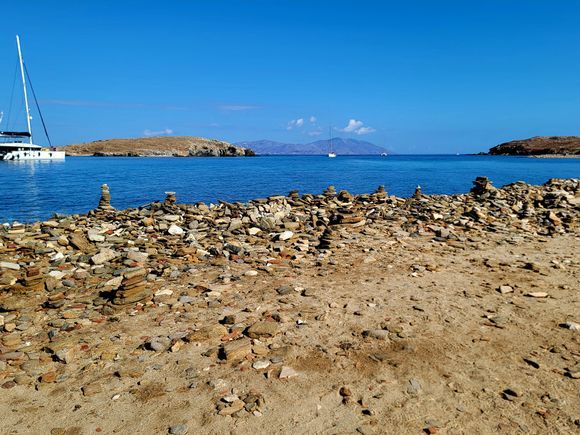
(105, 201)
(327, 240)
(329, 191)
(170, 199)
(133, 287)
(482, 186)
(418, 192)
(380, 193)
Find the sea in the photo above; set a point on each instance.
(36, 190)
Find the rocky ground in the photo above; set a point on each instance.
(297, 314)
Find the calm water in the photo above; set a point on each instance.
(35, 190)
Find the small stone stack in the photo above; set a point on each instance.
(418, 192)
(481, 187)
(345, 196)
(330, 191)
(133, 287)
(170, 199)
(527, 210)
(34, 279)
(105, 201)
(327, 240)
(380, 193)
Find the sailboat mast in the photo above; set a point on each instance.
(24, 88)
(330, 134)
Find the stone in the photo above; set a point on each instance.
(414, 387)
(175, 230)
(261, 364)
(287, 372)
(262, 329)
(179, 429)
(210, 332)
(536, 294)
(572, 326)
(236, 350)
(379, 334)
(286, 235)
(504, 289)
(104, 256)
(9, 265)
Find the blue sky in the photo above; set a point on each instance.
(414, 76)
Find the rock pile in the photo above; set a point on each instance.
(70, 273)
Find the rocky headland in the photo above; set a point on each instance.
(329, 313)
(166, 146)
(540, 146)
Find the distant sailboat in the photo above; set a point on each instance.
(331, 153)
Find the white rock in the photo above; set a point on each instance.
(251, 273)
(164, 292)
(253, 231)
(288, 372)
(286, 235)
(105, 255)
(95, 236)
(174, 230)
(537, 294)
(57, 256)
(8, 265)
(503, 289)
(139, 257)
(56, 274)
(573, 326)
(261, 364)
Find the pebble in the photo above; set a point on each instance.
(179, 429)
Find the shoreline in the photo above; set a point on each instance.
(358, 312)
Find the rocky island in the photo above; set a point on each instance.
(167, 146)
(334, 313)
(539, 146)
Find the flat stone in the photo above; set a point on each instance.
(504, 289)
(379, 334)
(8, 265)
(287, 372)
(103, 256)
(175, 230)
(537, 294)
(237, 349)
(261, 364)
(262, 329)
(286, 235)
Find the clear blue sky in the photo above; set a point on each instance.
(415, 76)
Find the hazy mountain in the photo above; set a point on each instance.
(340, 146)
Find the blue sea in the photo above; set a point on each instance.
(32, 191)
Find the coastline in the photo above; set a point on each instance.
(338, 306)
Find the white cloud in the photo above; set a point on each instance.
(238, 107)
(313, 119)
(165, 132)
(295, 123)
(365, 130)
(315, 133)
(357, 127)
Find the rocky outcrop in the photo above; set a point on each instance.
(539, 145)
(173, 146)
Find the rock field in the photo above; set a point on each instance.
(327, 313)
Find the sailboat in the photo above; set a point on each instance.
(331, 153)
(18, 145)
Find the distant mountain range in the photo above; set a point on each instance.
(340, 146)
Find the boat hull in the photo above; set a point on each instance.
(33, 155)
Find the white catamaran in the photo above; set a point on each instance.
(17, 145)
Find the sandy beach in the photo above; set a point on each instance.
(325, 313)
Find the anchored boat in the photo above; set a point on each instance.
(18, 145)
